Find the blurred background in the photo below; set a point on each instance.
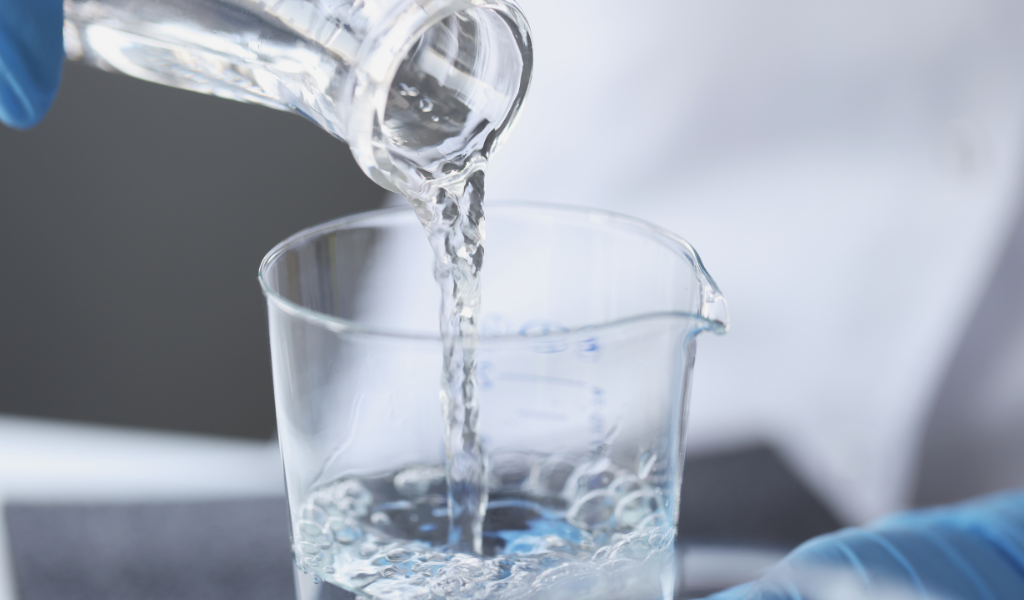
(133, 220)
(850, 173)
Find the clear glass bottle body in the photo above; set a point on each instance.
(408, 84)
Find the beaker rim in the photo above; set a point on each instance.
(714, 317)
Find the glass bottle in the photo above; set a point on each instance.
(409, 84)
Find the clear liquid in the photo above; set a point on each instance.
(555, 527)
(448, 198)
(456, 231)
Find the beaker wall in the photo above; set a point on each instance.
(584, 360)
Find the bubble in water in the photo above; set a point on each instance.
(625, 483)
(407, 90)
(361, 576)
(657, 520)
(314, 561)
(552, 475)
(416, 481)
(426, 104)
(595, 509)
(453, 587)
(352, 498)
(398, 555)
(462, 576)
(563, 574)
(509, 470)
(662, 538)
(310, 550)
(310, 531)
(313, 513)
(588, 477)
(367, 549)
(578, 552)
(635, 507)
(344, 530)
(556, 544)
(315, 534)
(638, 545)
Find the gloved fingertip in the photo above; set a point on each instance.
(15, 112)
(31, 59)
(24, 97)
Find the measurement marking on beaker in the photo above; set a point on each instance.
(588, 350)
(487, 375)
(597, 422)
(550, 342)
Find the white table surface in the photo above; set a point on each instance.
(51, 461)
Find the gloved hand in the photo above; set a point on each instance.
(972, 551)
(31, 55)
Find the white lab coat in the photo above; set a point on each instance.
(849, 172)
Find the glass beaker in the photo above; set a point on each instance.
(586, 347)
(409, 84)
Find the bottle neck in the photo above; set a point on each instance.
(436, 86)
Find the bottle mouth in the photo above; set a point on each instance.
(443, 84)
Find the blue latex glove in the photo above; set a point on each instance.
(964, 552)
(31, 55)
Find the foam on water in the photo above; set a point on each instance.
(581, 532)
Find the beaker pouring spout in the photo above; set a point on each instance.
(713, 306)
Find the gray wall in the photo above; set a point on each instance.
(132, 223)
